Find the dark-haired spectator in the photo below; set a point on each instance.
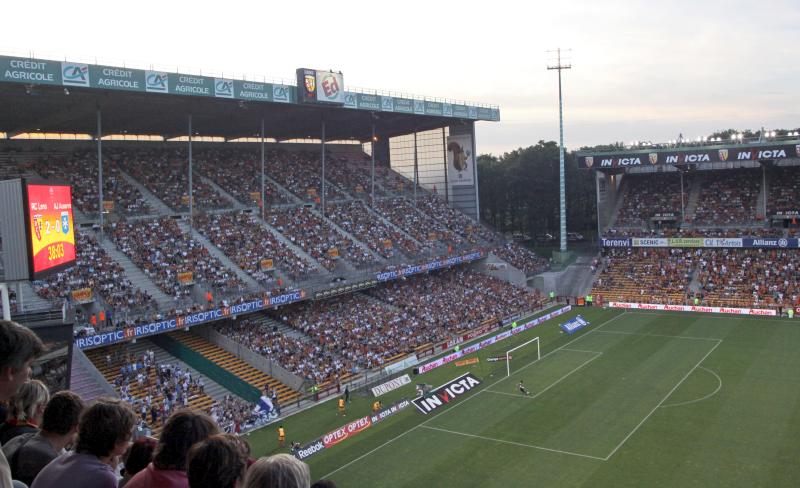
(278, 471)
(104, 432)
(217, 462)
(138, 457)
(28, 454)
(184, 429)
(19, 346)
(27, 408)
(324, 484)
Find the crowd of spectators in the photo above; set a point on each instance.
(235, 415)
(649, 195)
(703, 232)
(300, 172)
(95, 270)
(80, 170)
(243, 239)
(307, 359)
(317, 237)
(522, 258)
(456, 299)
(749, 277)
(238, 173)
(165, 173)
(161, 249)
(418, 225)
(355, 218)
(456, 221)
(784, 190)
(728, 197)
(650, 275)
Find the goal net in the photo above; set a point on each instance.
(526, 353)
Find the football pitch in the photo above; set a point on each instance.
(635, 399)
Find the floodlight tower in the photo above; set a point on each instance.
(561, 184)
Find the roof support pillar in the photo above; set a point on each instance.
(191, 195)
(100, 170)
(323, 165)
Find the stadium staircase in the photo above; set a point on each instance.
(88, 384)
(252, 284)
(696, 184)
(577, 279)
(28, 299)
(159, 207)
(229, 363)
(236, 203)
(281, 327)
(390, 225)
(136, 275)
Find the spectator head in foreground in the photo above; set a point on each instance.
(217, 462)
(28, 454)
(278, 471)
(19, 346)
(26, 408)
(104, 433)
(183, 429)
(138, 457)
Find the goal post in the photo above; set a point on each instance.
(524, 344)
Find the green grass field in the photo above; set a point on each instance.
(637, 399)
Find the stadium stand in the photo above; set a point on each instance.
(355, 218)
(161, 249)
(233, 170)
(729, 198)
(646, 275)
(647, 195)
(80, 169)
(299, 172)
(521, 258)
(316, 237)
(784, 190)
(242, 238)
(163, 172)
(95, 270)
(421, 227)
(308, 360)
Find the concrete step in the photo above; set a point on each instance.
(84, 384)
(251, 283)
(28, 299)
(283, 328)
(212, 388)
(136, 275)
(159, 207)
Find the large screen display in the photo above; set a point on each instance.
(51, 227)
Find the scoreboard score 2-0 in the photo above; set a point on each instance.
(50, 227)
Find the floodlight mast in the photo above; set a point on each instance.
(561, 178)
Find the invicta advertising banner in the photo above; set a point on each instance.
(446, 393)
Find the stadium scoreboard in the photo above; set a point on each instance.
(320, 87)
(38, 228)
(50, 227)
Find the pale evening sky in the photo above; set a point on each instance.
(643, 70)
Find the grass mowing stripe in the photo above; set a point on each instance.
(660, 335)
(359, 458)
(719, 341)
(502, 441)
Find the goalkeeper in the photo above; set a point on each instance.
(522, 388)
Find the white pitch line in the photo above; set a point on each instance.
(527, 397)
(582, 350)
(663, 400)
(661, 335)
(359, 458)
(502, 441)
(701, 315)
(689, 402)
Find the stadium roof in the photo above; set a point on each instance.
(39, 95)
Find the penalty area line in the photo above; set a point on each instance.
(503, 441)
(368, 453)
